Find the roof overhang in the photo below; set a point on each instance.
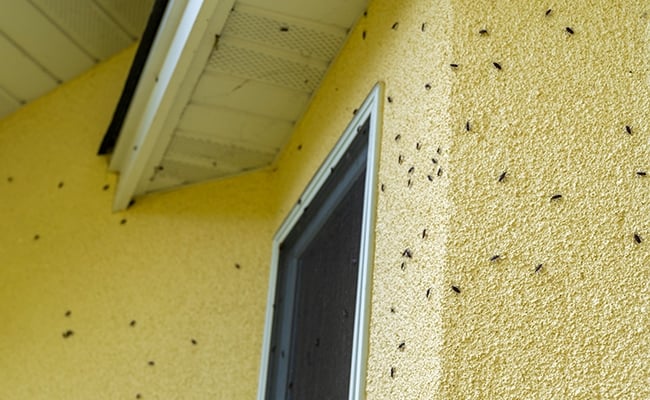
(222, 88)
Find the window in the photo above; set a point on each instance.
(315, 339)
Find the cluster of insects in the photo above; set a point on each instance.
(502, 177)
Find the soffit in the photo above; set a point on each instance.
(44, 43)
(237, 110)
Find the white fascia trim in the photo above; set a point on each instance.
(174, 66)
(148, 79)
(370, 110)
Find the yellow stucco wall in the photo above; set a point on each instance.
(553, 117)
(171, 266)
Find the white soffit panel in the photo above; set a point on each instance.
(255, 86)
(218, 155)
(47, 45)
(87, 24)
(44, 43)
(282, 31)
(330, 12)
(131, 15)
(238, 110)
(8, 104)
(206, 158)
(235, 126)
(218, 89)
(265, 64)
(21, 77)
(185, 55)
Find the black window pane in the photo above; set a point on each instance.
(315, 296)
(323, 323)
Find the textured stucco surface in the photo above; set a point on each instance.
(553, 118)
(171, 266)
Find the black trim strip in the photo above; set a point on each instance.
(142, 54)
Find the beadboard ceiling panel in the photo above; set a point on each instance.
(131, 15)
(88, 25)
(44, 43)
(48, 46)
(8, 103)
(20, 76)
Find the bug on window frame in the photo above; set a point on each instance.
(495, 257)
(569, 30)
(497, 65)
(502, 176)
(638, 238)
(455, 289)
(407, 253)
(548, 12)
(556, 197)
(628, 129)
(539, 267)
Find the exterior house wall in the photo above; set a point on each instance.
(553, 118)
(171, 266)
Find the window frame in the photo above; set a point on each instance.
(369, 111)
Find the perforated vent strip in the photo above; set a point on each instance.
(264, 67)
(304, 40)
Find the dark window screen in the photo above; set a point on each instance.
(313, 323)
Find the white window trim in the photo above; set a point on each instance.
(369, 110)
